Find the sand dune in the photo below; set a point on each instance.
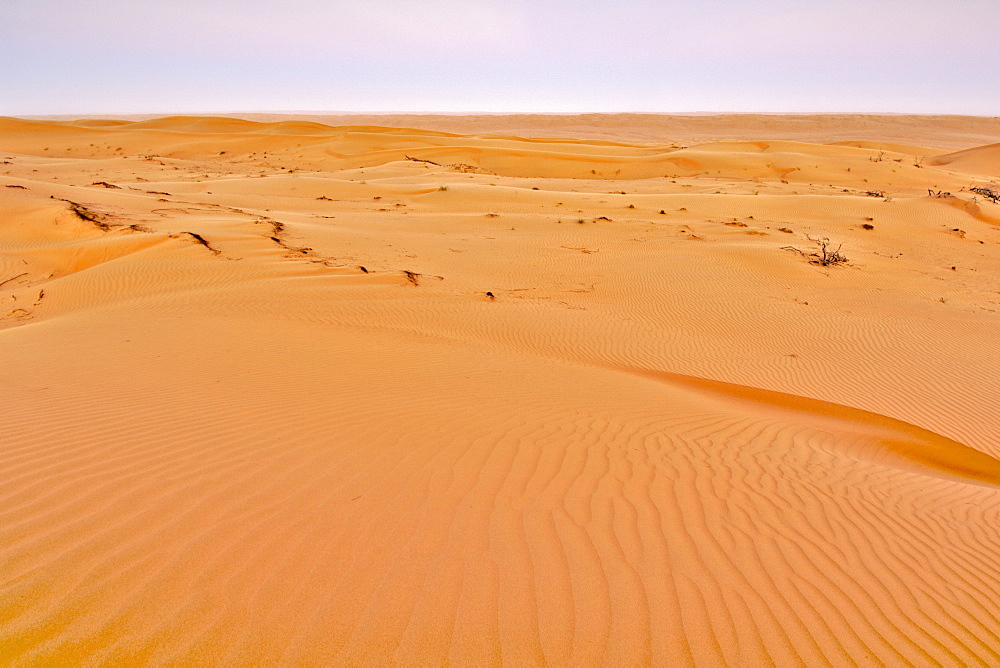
(943, 133)
(287, 393)
(980, 161)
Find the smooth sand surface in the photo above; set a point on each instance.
(287, 393)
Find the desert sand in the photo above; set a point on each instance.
(573, 392)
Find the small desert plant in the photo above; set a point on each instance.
(825, 256)
(828, 255)
(442, 187)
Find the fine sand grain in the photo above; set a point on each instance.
(293, 393)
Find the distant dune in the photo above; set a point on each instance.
(939, 132)
(572, 390)
(979, 161)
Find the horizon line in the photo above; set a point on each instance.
(324, 112)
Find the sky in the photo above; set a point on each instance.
(185, 56)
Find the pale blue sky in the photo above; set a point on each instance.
(118, 56)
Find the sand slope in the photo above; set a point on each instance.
(980, 161)
(285, 393)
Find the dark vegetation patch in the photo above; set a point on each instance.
(988, 193)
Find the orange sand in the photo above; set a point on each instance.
(258, 406)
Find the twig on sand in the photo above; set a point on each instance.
(13, 279)
(204, 242)
(429, 162)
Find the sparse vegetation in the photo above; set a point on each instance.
(988, 193)
(825, 255)
(828, 255)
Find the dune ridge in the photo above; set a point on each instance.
(288, 393)
(982, 160)
(949, 132)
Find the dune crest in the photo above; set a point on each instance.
(899, 443)
(285, 393)
(981, 160)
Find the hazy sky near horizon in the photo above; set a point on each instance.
(171, 56)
